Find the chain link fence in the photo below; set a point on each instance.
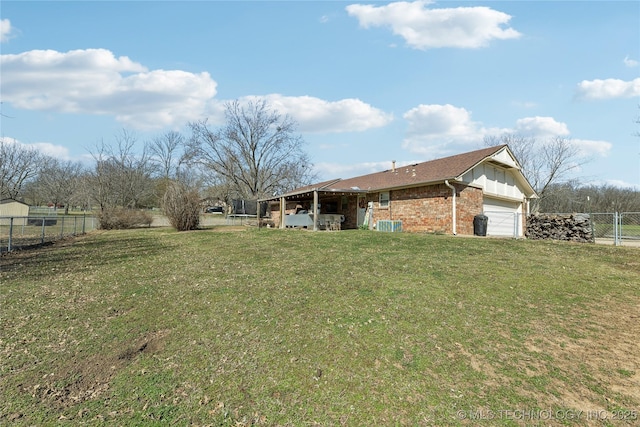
(629, 227)
(19, 232)
(609, 228)
(616, 228)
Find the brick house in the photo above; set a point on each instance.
(438, 196)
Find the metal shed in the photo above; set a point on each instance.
(12, 208)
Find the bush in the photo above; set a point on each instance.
(182, 207)
(120, 219)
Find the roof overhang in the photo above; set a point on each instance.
(512, 164)
(308, 193)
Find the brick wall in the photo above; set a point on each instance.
(428, 209)
(421, 209)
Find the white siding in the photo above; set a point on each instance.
(504, 157)
(495, 181)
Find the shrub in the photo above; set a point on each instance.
(120, 219)
(182, 207)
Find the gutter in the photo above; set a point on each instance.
(453, 191)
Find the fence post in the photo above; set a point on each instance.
(62, 228)
(620, 231)
(10, 234)
(615, 229)
(42, 238)
(75, 223)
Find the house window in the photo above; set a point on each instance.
(384, 199)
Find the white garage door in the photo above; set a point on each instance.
(504, 217)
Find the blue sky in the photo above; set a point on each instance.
(367, 82)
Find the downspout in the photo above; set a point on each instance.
(283, 210)
(453, 191)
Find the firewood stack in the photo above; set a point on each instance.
(574, 227)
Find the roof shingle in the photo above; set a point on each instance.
(432, 171)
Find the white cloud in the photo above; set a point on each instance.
(621, 184)
(94, 81)
(437, 130)
(588, 148)
(608, 89)
(540, 127)
(315, 115)
(424, 28)
(441, 130)
(47, 148)
(5, 30)
(335, 170)
(630, 62)
(544, 129)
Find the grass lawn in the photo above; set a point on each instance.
(280, 327)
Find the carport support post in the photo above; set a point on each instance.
(616, 229)
(258, 213)
(315, 210)
(282, 212)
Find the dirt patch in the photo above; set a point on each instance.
(604, 351)
(82, 379)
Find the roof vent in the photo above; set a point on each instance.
(393, 165)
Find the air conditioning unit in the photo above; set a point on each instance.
(389, 226)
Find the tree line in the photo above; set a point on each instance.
(256, 153)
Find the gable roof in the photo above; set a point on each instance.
(451, 167)
(5, 201)
(433, 171)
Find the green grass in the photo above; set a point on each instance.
(276, 327)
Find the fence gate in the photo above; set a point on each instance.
(628, 227)
(620, 228)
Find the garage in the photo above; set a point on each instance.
(504, 217)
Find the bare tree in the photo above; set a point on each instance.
(256, 152)
(608, 198)
(58, 182)
(121, 177)
(18, 165)
(543, 163)
(164, 151)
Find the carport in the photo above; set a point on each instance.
(321, 205)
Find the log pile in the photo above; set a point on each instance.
(574, 227)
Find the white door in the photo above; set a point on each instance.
(505, 217)
(362, 209)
